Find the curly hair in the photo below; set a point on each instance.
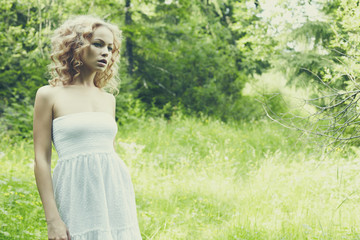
(68, 43)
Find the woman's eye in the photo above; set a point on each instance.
(97, 44)
(110, 49)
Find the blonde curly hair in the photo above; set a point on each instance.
(69, 42)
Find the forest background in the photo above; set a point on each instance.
(204, 75)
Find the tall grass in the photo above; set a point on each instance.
(203, 179)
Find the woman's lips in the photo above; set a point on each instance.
(101, 63)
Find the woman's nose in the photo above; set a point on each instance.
(105, 53)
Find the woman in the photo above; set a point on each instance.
(90, 195)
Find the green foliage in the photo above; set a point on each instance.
(322, 52)
(22, 62)
(187, 53)
(21, 211)
(128, 108)
(16, 119)
(346, 42)
(304, 52)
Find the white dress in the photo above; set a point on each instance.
(92, 186)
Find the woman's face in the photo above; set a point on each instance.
(97, 56)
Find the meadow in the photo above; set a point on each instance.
(198, 178)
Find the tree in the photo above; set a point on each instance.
(335, 104)
(196, 53)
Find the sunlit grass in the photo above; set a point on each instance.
(203, 179)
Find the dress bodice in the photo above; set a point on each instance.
(83, 133)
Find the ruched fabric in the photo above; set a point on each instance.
(92, 186)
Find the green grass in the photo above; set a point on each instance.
(203, 179)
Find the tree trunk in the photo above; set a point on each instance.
(129, 44)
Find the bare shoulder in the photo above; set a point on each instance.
(46, 97)
(46, 92)
(110, 97)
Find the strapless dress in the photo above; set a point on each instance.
(92, 186)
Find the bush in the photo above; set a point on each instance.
(16, 119)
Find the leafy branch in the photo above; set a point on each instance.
(334, 115)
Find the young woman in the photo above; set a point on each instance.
(90, 195)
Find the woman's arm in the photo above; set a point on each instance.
(42, 165)
(113, 102)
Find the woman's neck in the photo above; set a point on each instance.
(85, 78)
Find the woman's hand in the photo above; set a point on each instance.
(57, 230)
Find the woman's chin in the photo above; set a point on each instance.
(100, 69)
